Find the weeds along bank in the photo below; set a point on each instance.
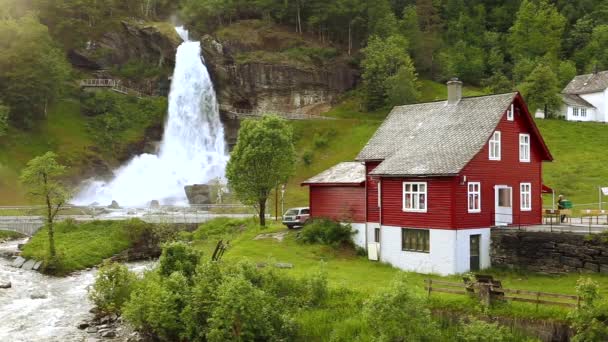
(329, 293)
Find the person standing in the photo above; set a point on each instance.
(561, 206)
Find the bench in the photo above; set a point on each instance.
(550, 214)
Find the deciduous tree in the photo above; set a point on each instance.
(263, 158)
(541, 90)
(41, 177)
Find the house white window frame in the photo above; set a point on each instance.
(511, 113)
(471, 193)
(495, 145)
(574, 111)
(415, 204)
(525, 190)
(583, 112)
(524, 147)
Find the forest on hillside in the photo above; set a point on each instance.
(535, 46)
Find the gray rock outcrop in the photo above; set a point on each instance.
(199, 194)
(5, 284)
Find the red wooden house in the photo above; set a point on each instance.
(439, 175)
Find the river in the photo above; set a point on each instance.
(53, 318)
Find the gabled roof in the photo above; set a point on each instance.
(575, 100)
(346, 173)
(437, 139)
(589, 83)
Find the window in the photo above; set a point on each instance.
(584, 112)
(377, 235)
(415, 240)
(379, 194)
(525, 195)
(524, 147)
(510, 113)
(305, 212)
(495, 146)
(474, 195)
(575, 111)
(504, 197)
(414, 197)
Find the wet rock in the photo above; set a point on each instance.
(5, 284)
(92, 330)
(198, 193)
(37, 295)
(83, 325)
(154, 204)
(114, 205)
(29, 265)
(18, 262)
(20, 246)
(134, 337)
(105, 320)
(283, 265)
(37, 266)
(108, 334)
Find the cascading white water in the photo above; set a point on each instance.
(192, 151)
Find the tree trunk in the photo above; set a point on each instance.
(263, 212)
(49, 224)
(350, 37)
(299, 29)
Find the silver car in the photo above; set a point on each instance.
(296, 217)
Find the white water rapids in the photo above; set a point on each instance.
(52, 318)
(192, 151)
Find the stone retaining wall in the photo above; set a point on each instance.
(549, 252)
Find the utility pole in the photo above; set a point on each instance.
(282, 198)
(276, 203)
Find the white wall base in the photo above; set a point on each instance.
(449, 251)
(359, 237)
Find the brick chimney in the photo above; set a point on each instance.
(454, 91)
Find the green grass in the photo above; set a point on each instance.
(579, 150)
(353, 279)
(9, 235)
(80, 245)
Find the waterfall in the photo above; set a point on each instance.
(192, 151)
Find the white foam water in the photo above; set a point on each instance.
(192, 151)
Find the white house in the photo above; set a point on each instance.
(585, 98)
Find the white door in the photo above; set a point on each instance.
(504, 205)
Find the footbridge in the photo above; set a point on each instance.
(28, 220)
(111, 84)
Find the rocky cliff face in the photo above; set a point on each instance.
(273, 87)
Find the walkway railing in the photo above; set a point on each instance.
(114, 85)
(244, 113)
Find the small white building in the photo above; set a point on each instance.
(585, 98)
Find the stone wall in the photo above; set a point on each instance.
(549, 252)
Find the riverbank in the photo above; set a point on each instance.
(44, 308)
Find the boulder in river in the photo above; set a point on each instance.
(29, 265)
(198, 193)
(18, 262)
(154, 204)
(37, 266)
(37, 295)
(114, 205)
(83, 325)
(5, 284)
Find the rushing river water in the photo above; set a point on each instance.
(53, 318)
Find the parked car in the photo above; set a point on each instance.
(296, 217)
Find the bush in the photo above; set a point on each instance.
(219, 228)
(112, 287)
(178, 257)
(479, 331)
(327, 232)
(307, 157)
(590, 320)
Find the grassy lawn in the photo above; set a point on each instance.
(9, 235)
(80, 245)
(345, 269)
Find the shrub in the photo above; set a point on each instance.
(219, 228)
(112, 287)
(479, 331)
(307, 157)
(590, 320)
(327, 232)
(320, 140)
(178, 257)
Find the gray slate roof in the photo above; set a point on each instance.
(589, 83)
(434, 138)
(346, 172)
(575, 100)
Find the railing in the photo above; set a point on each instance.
(240, 112)
(109, 83)
(490, 292)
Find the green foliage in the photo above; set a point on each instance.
(307, 157)
(178, 257)
(263, 158)
(137, 70)
(327, 232)
(33, 71)
(541, 89)
(118, 119)
(112, 288)
(537, 31)
(9, 235)
(480, 331)
(219, 228)
(590, 320)
(385, 58)
(594, 54)
(402, 88)
(566, 72)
